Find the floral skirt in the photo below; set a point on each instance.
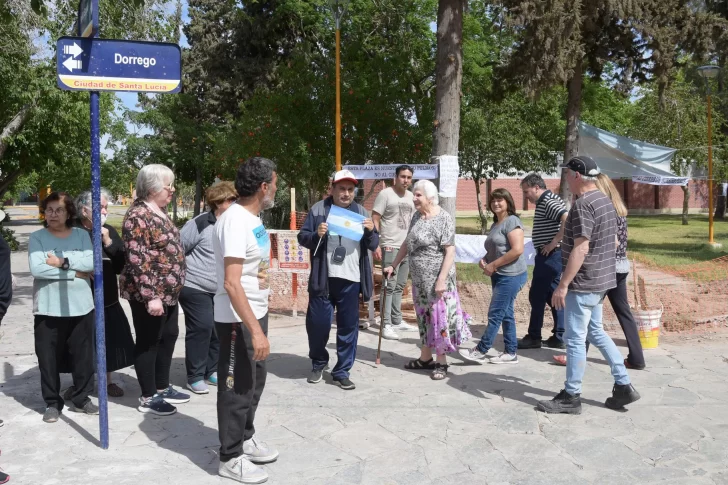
(442, 322)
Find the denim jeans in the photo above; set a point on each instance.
(505, 290)
(546, 277)
(583, 315)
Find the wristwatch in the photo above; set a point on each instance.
(65, 264)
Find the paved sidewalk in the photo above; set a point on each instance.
(397, 428)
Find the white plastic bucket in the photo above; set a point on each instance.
(648, 326)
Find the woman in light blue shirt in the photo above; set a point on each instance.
(61, 262)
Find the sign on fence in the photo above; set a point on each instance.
(386, 172)
(292, 258)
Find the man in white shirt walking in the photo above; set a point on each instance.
(392, 214)
(242, 259)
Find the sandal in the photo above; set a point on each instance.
(419, 364)
(440, 372)
(114, 390)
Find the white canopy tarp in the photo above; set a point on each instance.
(622, 157)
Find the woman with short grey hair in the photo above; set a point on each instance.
(119, 341)
(151, 280)
(430, 247)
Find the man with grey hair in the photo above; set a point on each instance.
(589, 259)
(242, 258)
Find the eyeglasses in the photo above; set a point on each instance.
(169, 188)
(59, 212)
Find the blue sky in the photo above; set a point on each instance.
(129, 100)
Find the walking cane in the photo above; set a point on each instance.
(381, 313)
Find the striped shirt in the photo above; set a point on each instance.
(547, 219)
(592, 217)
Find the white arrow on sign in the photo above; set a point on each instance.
(72, 64)
(75, 50)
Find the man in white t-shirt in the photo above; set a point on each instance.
(392, 214)
(242, 259)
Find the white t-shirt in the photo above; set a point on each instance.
(349, 268)
(240, 234)
(396, 215)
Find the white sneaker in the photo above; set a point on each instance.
(406, 327)
(389, 334)
(258, 452)
(242, 470)
(504, 359)
(363, 324)
(475, 355)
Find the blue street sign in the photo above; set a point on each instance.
(88, 18)
(118, 65)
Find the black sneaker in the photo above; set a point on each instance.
(563, 403)
(621, 396)
(316, 376)
(529, 343)
(51, 415)
(554, 343)
(88, 408)
(156, 405)
(345, 384)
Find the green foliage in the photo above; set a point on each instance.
(680, 122)
(9, 237)
(52, 146)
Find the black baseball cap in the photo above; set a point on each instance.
(584, 165)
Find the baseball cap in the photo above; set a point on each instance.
(584, 165)
(343, 175)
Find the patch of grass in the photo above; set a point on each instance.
(471, 225)
(471, 273)
(664, 241)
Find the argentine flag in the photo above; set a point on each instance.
(345, 223)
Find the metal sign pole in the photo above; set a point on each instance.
(98, 273)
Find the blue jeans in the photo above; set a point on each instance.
(546, 277)
(583, 315)
(505, 290)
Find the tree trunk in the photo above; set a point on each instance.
(7, 181)
(15, 125)
(198, 190)
(483, 214)
(720, 202)
(573, 111)
(448, 77)
(686, 203)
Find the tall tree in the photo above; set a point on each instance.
(562, 41)
(448, 79)
(676, 117)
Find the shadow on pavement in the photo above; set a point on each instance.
(180, 433)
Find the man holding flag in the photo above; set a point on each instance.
(340, 235)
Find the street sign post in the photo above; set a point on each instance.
(88, 18)
(118, 65)
(87, 63)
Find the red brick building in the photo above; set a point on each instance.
(639, 198)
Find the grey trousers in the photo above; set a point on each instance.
(391, 307)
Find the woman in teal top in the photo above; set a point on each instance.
(61, 262)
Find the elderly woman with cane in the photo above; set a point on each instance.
(430, 246)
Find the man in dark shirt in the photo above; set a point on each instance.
(588, 254)
(548, 230)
